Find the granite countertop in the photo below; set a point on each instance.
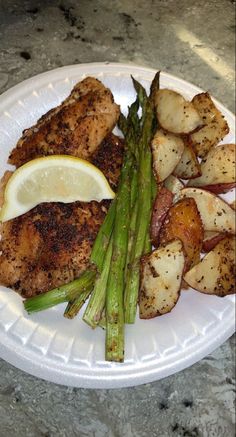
(194, 41)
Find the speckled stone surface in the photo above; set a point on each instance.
(192, 40)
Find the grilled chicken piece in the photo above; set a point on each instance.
(51, 244)
(76, 127)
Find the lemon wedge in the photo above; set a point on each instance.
(57, 178)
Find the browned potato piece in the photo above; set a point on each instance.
(173, 184)
(161, 206)
(175, 114)
(216, 214)
(167, 150)
(188, 166)
(215, 129)
(218, 170)
(183, 221)
(215, 274)
(161, 275)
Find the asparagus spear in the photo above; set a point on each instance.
(60, 294)
(103, 321)
(125, 199)
(94, 309)
(144, 197)
(115, 285)
(74, 306)
(103, 237)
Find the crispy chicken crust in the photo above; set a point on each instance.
(51, 244)
(76, 127)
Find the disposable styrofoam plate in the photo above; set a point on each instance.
(68, 351)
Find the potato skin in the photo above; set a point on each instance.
(161, 206)
(183, 221)
(220, 188)
(209, 243)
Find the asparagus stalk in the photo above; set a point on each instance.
(103, 321)
(74, 306)
(125, 200)
(95, 307)
(140, 242)
(60, 294)
(115, 285)
(140, 236)
(103, 237)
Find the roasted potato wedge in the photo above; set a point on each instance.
(218, 170)
(215, 129)
(161, 206)
(183, 221)
(216, 214)
(161, 275)
(215, 274)
(211, 239)
(173, 184)
(188, 166)
(167, 150)
(175, 114)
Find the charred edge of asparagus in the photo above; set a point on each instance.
(75, 305)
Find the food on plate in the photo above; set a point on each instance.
(161, 206)
(51, 244)
(57, 178)
(136, 184)
(173, 184)
(215, 129)
(161, 275)
(216, 214)
(183, 221)
(188, 166)
(101, 251)
(215, 274)
(211, 239)
(76, 127)
(167, 150)
(217, 170)
(175, 114)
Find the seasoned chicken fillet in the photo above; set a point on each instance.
(51, 244)
(76, 127)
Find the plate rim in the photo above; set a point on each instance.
(15, 356)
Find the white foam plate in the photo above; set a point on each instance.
(68, 351)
